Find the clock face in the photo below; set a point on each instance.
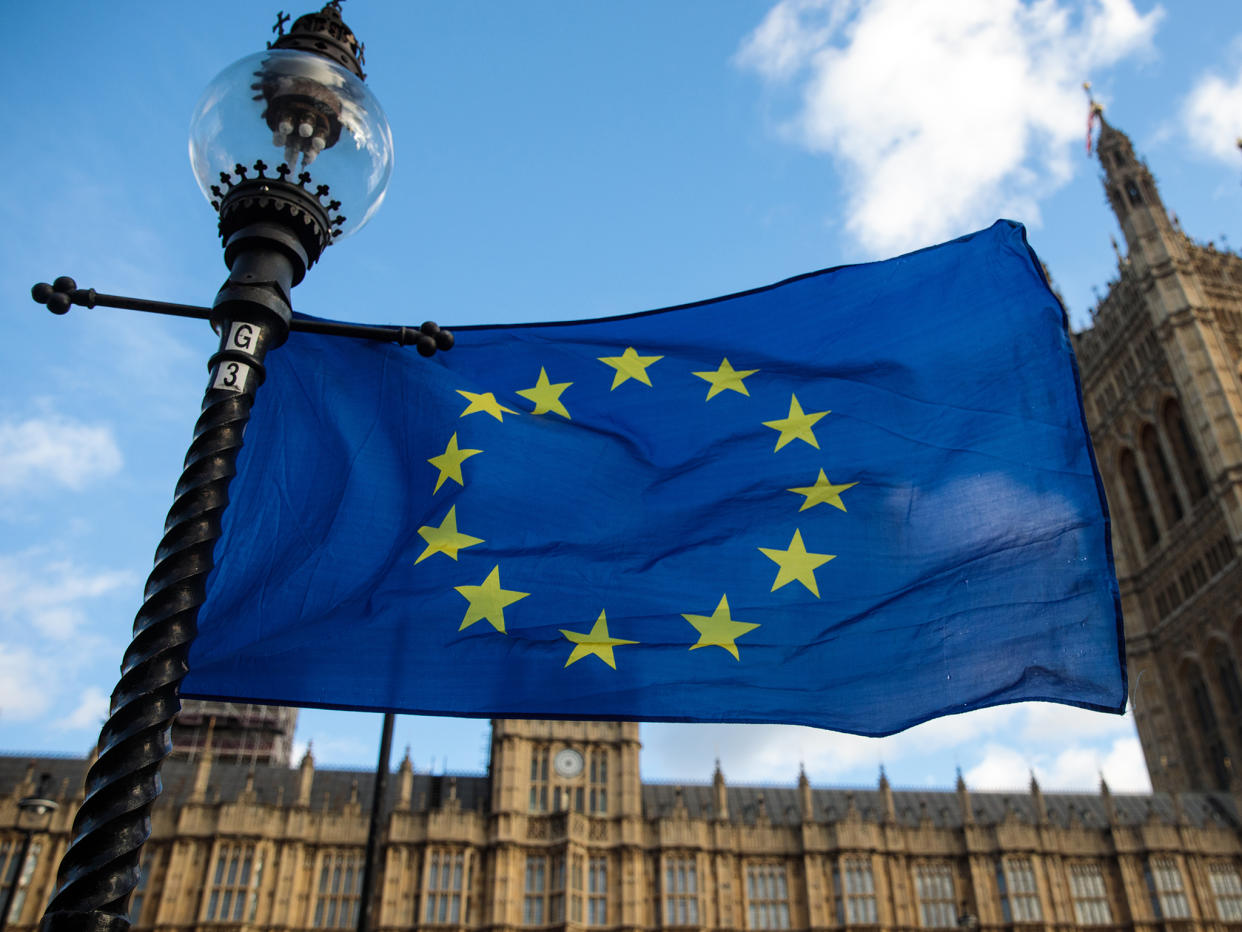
(568, 762)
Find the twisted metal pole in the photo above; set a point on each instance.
(266, 256)
(101, 866)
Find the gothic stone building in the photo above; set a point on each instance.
(562, 834)
(1161, 388)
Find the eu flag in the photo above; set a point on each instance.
(857, 499)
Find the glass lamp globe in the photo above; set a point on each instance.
(301, 110)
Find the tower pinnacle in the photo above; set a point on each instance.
(1133, 196)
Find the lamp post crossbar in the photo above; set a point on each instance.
(59, 296)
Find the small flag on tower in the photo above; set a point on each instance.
(858, 499)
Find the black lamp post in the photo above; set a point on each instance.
(34, 813)
(294, 152)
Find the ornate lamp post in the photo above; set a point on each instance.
(34, 813)
(294, 152)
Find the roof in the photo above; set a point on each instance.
(942, 808)
(332, 789)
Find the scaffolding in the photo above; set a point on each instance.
(242, 732)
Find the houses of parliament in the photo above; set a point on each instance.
(562, 834)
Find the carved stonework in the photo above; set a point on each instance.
(1156, 341)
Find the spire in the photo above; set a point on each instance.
(679, 804)
(352, 803)
(1110, 809)
(720, 796)
(454, 803)
(804, 795)
(1037, 795)
(306, 777)
(963, 799)
(886, 796)
(405, 781)
(1134, 198)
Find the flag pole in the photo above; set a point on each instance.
(370, 859)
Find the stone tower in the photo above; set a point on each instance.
(1161, 389)
(548, 766)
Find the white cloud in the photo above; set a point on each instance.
(1050, 721)
(1002, 768)
(24, 679)
(1074, 768)
(1212, 114)
(1125, 768)
(941, 116)
(997, 748)
(53, 662)
(91, 710)
(51, 597)
(55, 450)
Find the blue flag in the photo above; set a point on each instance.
(858, 499)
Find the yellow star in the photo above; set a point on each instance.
(719, 629)
(796, 564)
(546, 395)
(488, 601)
(445, 538)
(797, 425)
(822, 491)
(485, 402)
(725, 377)
(596, 641)
(449, 463)
(629, 365)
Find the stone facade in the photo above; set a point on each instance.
(561, 833)
(1159, 369)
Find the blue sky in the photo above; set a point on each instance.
(555, 159)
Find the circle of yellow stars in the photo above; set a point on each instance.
(488, 600)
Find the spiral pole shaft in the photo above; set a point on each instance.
(100, 868)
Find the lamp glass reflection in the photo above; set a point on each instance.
(300, 109)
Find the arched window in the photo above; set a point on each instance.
(1132, 192)
(1140, 503)
(1158, 469)
(1205, 717)
(598, 794)
(1184, 451)
(1230, 685)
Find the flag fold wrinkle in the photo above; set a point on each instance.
(858, 499)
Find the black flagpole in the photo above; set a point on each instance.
(366, 895)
